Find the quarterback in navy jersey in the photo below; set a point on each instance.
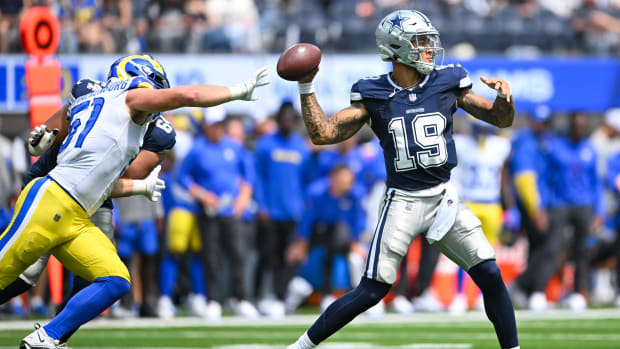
(410, 110)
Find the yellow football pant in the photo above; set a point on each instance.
(491, 216)
(183, 231)
(46, 218)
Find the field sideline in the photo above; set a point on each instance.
(560, 329)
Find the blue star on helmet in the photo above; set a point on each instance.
(396, 21)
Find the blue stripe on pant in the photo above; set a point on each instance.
(32, 193)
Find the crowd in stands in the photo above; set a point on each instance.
(517, 27)
(255, 218)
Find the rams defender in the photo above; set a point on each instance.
(106, 130)
(410, 110)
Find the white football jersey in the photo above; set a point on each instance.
(102, 141)
(478, 174)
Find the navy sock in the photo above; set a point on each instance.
(368, 293)
(14, 289)
(87, 304)
(497, 302)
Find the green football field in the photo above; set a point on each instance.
(557, 329)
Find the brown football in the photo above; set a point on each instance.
(297, 61)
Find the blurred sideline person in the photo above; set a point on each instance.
(333, 220)
(528, 169)
(218, 174)
(138, 245)
(410, 110)
(280, 160)
(182, 236)
(482, 156)
(576, 201)
(89, 169)
(613, 248)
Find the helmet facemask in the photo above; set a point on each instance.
(406, 37)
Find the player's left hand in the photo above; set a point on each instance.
(500, 85)
(41, 139)
(154, 185)
(246, 90)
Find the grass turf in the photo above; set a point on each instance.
(590, 333)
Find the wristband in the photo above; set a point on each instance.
(236, 92)
(139, 187)
(305, 88)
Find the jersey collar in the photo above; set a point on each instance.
(398, 88)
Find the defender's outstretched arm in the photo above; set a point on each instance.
(143, 101)
(341, 126)
(499, 113)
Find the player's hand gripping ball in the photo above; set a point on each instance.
(298, 61)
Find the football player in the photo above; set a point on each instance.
(158, 140)
(105, 132)
(410, 110)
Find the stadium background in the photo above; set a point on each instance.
(560, 54)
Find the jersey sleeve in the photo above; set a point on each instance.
(462, 78)
(160, 136)
(374, 87)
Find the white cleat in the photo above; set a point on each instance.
(377, 311)
(272, 308)
(401, 305)
(538, 302)
(197, 304)
(577, 302)
(165, 308)
(213, 311)
(458, 305)
(244, 309)
(326, 301)
(297, 291)
(427, 302)
(40, 340)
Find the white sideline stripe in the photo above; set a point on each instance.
(234, 335)
(473, 319)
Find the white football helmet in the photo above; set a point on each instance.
(403, 35)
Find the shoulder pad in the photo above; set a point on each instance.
(453, 76)
(84, 87)
(160, 136)
(374, 87)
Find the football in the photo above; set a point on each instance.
(298, 60)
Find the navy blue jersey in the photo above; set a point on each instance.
(414, 126)
(160, 136)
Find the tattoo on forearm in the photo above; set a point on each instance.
(499, 113)
(314, 118)
(323, 130)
